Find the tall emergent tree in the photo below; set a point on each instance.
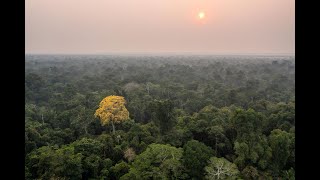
(220, 168)
(112, 110)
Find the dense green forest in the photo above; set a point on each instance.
(190, 117)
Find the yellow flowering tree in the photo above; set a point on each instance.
(112, 110)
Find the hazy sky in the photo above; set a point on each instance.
(147, 26)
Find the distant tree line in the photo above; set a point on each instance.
(190, 117)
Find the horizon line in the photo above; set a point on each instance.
(166, 53)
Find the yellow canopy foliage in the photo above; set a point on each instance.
(112, 108)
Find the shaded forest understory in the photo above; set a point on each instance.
(190, 117)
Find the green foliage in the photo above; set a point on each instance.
(107, 143)
(254, 150)
(67, 163)
(158, 161)
(289, 174)
(91, 165)
(139, 135)
(48, 162)
(119, 170)
(280, 144)
(242, 151)
(163, 115)
(87, 146)
(106, 164)
(250, 172)
(220, 168)
(247, 121)
(27, 174)
(183, 110)
(195, 157)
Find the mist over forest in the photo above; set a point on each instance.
(190, 117)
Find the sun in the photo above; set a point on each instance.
(201, 15)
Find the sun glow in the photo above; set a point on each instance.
(201, 15)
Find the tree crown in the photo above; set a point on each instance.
(112, 108)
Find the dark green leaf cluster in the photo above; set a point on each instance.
(191, 117)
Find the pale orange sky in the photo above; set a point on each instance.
(155, 26)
